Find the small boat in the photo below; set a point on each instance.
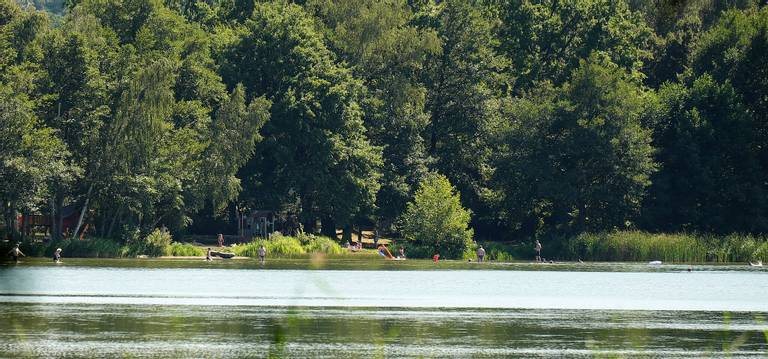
(654, 263)
(222, 255)
(758, 264)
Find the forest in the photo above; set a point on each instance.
(548, 117)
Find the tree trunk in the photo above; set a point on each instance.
(60, 212)
(346, 235)
(24, 225)
(310, 225)
(329, 227)
(103, 219)
(10, 220)
(54, 232)
(82, 212)
(114, 219)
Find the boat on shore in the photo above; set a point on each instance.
(222, 255)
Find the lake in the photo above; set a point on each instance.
(153, 308)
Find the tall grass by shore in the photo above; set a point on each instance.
(106, 248)
(679, 247)
(176, 249)
(89, 248)
(290, 247)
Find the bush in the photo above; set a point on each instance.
(152, 245)
(500, 253)
(277, 246)
(86, 248)
(290, 247)
(92, 247)
(436, 220)
(183, 250)
(323, 245)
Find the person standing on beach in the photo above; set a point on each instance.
(221, 240)
(262, 254)
(208, 255)
(57, 255)
(538, 251)
(15, 253)
(480, 254)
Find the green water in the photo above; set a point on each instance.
(170, 309)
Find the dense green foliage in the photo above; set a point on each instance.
(152, 245)
(90, 248)
(436, 220)
(289, 247)
(183, 250)
(643, 246)
(551, 118)
(155, 245)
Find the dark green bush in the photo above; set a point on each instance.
(153, 245)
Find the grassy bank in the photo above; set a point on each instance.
(623, 246)
(158, 244)
(680, 247)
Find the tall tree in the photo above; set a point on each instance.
(315, 148)
(30, 155)
(576, 158)
(546, 39)
(389, 54)
(462, 78)
(710, 178)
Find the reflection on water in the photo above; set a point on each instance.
(233, 310)
(94, 330)
(708, 291)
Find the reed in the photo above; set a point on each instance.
(324, 245)
(677, 247)
(277, 246)
(183, 250)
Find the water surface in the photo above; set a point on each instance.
(228, 309)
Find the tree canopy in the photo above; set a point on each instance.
(539, 117)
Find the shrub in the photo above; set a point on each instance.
(91, 247)
(277, 246)
(183, 250)
(436, 219)
(323, 245)
(284, 246)
(152, 245)
(499, 252)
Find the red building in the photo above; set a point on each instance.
(30, 223)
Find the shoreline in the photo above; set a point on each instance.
(371, 263)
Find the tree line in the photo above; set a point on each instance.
(549, 117)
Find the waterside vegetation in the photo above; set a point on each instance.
(586, 124)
